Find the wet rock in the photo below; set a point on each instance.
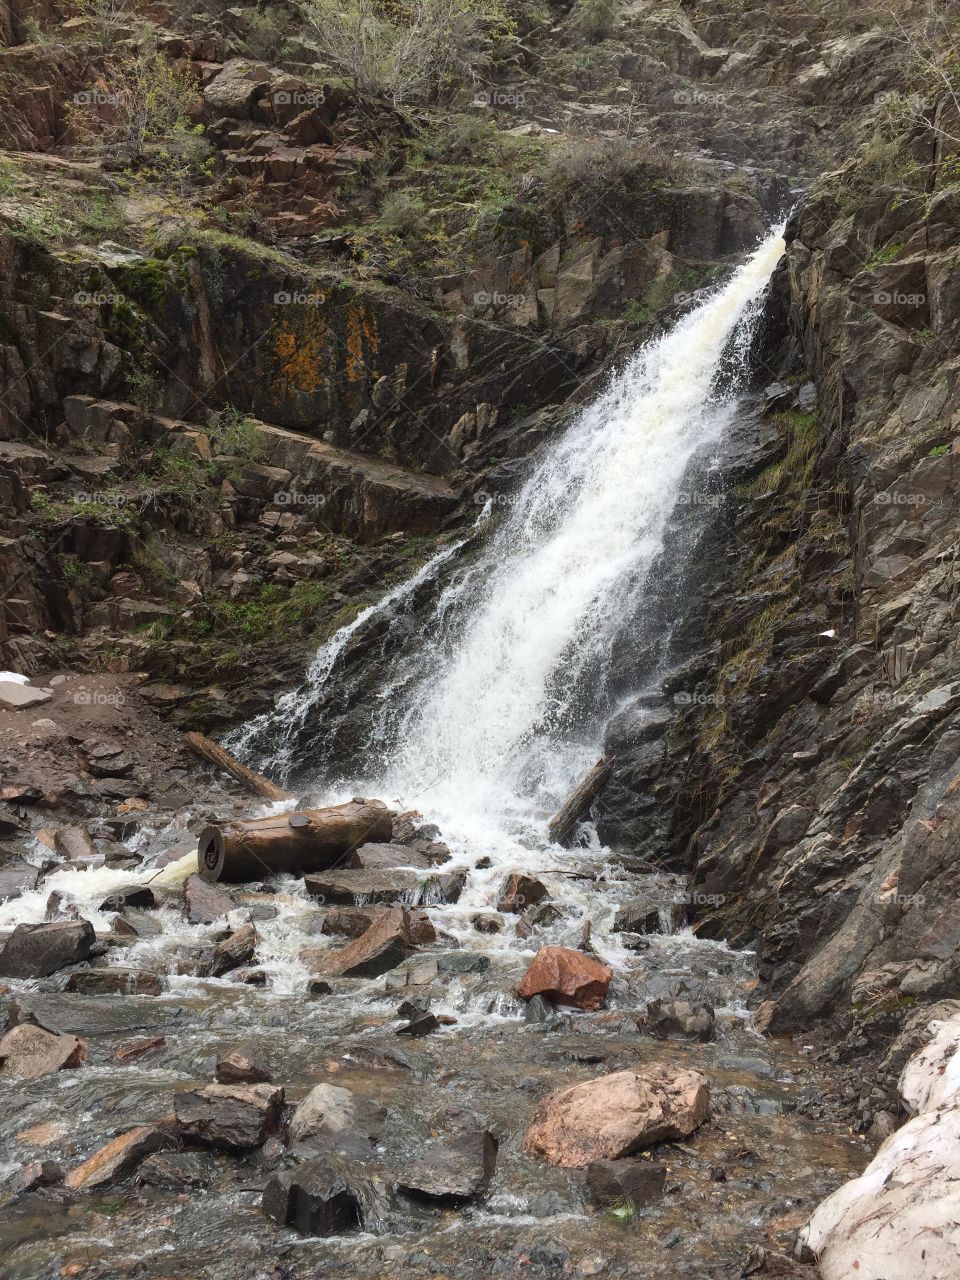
(137, 924)
(176, 1171)
(331, 1118)
(73, 842)
(384, 887)
(27, 1052)
(17, 878)
(541, 1012)
(420, 1026)
(461, 962)
(237, 1068)
(617, 1115)
(115, 982)
(206, 902)
(317, 987)
(638, 916)
(38, 1173)
(346, 922)
(678, 1019)
(133, 895)
(138, 1049)
(566, 977)
(387, 857)
(229, 1117)
(536, 918)
(233, 951)
(414, 1007)
(616, 1181)
(93, 1016)
(452, 1169)
(118, 1158)
(36, 950)
(318, 1198)
(519, 892)
(486, 922)
(385, 944)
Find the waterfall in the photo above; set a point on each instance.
(501, 705)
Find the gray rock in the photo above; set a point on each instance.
(680, 1019)
(17, 878)
(318, 1198)
(119, 982)
(452, 1169)
(615, 1181)
(229, 1117)
(20, 696)
(36, 950)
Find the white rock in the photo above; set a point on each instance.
(900, 1220)
(931, 1079)
(15, 694)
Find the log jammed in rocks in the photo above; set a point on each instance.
(305, 840)
(582, 797)
(254, 782)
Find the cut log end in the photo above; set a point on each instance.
(210, 853)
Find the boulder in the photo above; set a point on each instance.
(566, 977)
(206, 902)
(73, 842)
(616, 1181)
(38, 1173)
(617, 1115)
(318, 1198)
(27, 1052)
(452, 1169)
(377, 857)
(118, 1158)
(331, 1118)
(237, 1068)
(229, 1117)
(382, 947)
(176, 1170)
(638, 916)
(17, 878)
(233, 951)
(383, 887)
(421, 1025)
(235, 89)
(678, 1019)
(519, 892)
(36, 950)
(21, 696)
(115, 982)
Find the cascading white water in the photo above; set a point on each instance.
(504, 709)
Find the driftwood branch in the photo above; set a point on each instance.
(254, 782)
(581, 798)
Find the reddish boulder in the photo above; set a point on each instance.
(27, 1052)
(519, 892)
(566, 977)
(382, 947)
(119, 1157)
(618, 1115)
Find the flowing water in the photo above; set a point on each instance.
(491, 705)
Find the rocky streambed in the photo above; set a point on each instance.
(338, 1073)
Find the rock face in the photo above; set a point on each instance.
(452, 1169)
(27, 1052)
(617, 1115)
(231, 1117)
(36, 950)
(566, 977)
(118, 1158)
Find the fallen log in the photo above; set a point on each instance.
(301, 841)
(255, 782)
(582, 797)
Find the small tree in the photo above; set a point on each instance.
(407, 49)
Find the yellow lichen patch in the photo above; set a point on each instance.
(362, 344)
(302, 351)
